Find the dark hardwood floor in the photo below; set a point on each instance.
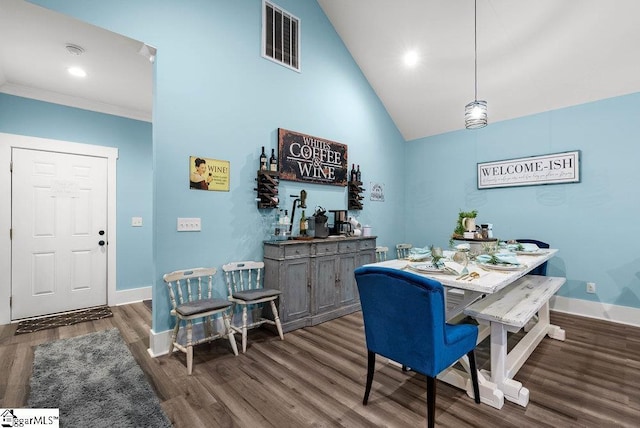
(315, 378)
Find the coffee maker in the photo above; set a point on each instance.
(320, 223)
(340, 225)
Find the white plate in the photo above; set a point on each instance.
(500, 267)
(425, 268)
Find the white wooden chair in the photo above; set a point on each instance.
(381, 253)
(402, 250)
(190, 291)
(244, 283)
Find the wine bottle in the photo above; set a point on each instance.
(303, 225)
(358, 175)
(263, 160)
(353, 172)
(273, 162)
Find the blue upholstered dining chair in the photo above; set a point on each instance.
(542, 269)
(404, 320)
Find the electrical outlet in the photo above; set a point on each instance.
(591, 287)
(189, 224)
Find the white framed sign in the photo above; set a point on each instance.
(377, 191)
(530, 171)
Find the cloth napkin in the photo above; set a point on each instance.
(530, 248)
(455, 268)
(504, 258)
(419, 253)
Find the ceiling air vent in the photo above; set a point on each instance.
(280, 36)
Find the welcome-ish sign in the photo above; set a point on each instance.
(547, 169)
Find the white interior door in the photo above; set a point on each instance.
(59, 232)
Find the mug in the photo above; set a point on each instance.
(469, 224)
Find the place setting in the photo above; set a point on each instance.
(433, 260)
(499, 262)
(523, 249)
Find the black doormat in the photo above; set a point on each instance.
(37, 324)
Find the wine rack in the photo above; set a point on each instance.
(355, 195)
(267, 189)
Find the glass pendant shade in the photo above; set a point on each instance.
(475, 114)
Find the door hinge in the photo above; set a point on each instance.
(10, 301)
(10, 234)
(11, 166)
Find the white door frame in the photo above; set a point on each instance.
(7, 143)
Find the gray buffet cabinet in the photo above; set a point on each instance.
(316, 277)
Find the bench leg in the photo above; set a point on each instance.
(553, 331)
(513, 390)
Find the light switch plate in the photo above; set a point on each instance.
(189, 224)
(136, 221)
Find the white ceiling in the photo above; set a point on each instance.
(34, 62)
(533, 56)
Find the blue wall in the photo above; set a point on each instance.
(216, 97)
(134, 186)
(591, 222)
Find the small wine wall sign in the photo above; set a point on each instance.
(546, 169)
(208, 174)
(310, 159)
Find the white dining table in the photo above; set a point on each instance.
(498, 384)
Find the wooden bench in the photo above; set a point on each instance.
(509, 310)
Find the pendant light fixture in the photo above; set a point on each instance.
(475, 113)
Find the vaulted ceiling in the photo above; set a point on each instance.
(533, 56)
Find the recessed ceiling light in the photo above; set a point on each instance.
(411, 58)
(77, 72)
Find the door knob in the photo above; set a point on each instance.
(101, 243)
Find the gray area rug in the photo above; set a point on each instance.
(95, 382)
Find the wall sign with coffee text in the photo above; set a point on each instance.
(546, 169)
(310, 159)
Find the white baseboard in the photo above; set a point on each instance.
(602, 311)
(159, 342)
(133, 295)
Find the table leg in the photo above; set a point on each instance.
(490, 394)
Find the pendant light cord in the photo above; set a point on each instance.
(475, 45)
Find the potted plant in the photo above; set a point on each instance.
(458, 232)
